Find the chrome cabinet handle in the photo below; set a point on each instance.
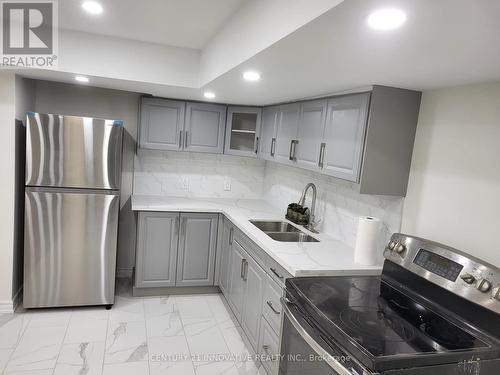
(186, 139)
(231, 231)
(273, 270)
(245, 271)
(271, 306)
(293, 149)
(330, 360)
(180, 139)
(321, 155)
(257, 145)
(242, 270)
(273, 146)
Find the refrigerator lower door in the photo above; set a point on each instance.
(70, 247)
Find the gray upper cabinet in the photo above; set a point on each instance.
(310, 132)
(267, 144)
(156, 249)
(162, 124)
(204, 127)
(254, 278)
(286, 135)
(344, 136)
(197, 248)
(243, 131)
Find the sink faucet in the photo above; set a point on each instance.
(312, 222)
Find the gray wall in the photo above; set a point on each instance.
(81, 100)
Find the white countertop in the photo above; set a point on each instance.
(327, 257)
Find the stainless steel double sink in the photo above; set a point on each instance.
(283, 231)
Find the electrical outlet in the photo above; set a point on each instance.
(185, 183)
(227, 185)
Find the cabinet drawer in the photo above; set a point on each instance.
(278, 273)
(253, 250)
(271, 309)
(269, 348)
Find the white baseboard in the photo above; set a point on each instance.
(124, 273)
(8, 307)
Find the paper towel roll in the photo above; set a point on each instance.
(367, 246)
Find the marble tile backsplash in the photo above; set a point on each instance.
(339, 204)
(198, 175)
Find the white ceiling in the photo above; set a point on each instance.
(443, 43)
(180, 23)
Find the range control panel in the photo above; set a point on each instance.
(460, 273)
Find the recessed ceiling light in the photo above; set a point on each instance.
(81, 79)
(251, 76)
(209, 94)
(386, 19)
(92, 7)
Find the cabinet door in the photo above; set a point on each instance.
(243, 131)
(310, 133)
(156, 249)
(286, 135)
(227, 239)
(197, 247)
(237, 263)
(344, 136)
(204, 127)
(162, 122)
(254, 278)
(267, 144)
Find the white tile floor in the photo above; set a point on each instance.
(178, 335)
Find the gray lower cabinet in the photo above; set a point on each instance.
(254, 279)
(197, 248)
(162, 124)
(267, 144)
(344, 136)
(236, 293)
(158, 234)
(225, 255)
(175, 249)
(204, 127)
(269, 345)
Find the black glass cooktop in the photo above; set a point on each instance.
(369, 317)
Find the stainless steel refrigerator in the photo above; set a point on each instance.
(73, 173)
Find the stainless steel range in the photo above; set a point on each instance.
(434, 310)
(73, 173)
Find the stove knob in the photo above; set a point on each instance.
(399, 248)
(496, 293)
(391, 245)
(468, 278)
(483, 285)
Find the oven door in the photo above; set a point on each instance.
(304, 351)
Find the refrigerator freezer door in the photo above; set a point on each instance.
(70, 247)
(68, 151)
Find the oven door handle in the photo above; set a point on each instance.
(329, 359)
